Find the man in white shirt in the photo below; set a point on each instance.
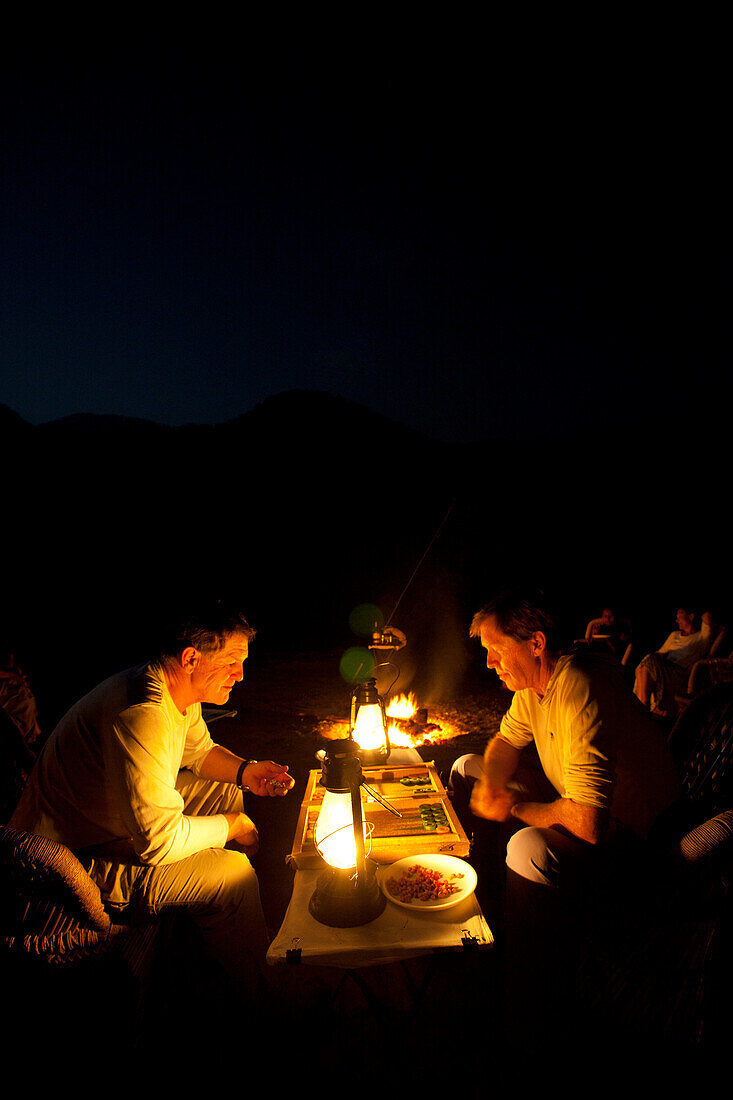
(601, 756)
(604, 777)
(132, 781)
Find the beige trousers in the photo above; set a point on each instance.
(217, 887)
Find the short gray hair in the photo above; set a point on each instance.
(205, 627)
(520, 614)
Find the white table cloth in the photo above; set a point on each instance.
(398, 933)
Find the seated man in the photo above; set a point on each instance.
(610, 632)
(602, 776)
(661, 675)
(131, 780)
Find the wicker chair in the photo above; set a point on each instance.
(52, 910)
(59, 945)
(62, 958)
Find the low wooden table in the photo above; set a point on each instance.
(397, 933)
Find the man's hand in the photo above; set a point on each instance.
(493, 795)
(494, 804)
(243, 833)
(268, 779)
(263, 777)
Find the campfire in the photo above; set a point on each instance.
(408, 724)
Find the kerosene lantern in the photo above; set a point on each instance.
(347, 892)
(368, 724)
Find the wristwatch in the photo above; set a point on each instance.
(240, 772)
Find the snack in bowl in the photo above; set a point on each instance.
(421, 884)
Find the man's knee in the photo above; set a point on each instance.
(465, 770)
(233, 877)
(550, 857)
(529, 854)
(214, 881)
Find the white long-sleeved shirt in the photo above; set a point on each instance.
(596, 743)
(107, 775)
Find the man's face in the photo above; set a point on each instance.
(516, 663)
(216, 673)
(685, 621)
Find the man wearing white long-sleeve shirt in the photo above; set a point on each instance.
(575, 820)
(132, 781)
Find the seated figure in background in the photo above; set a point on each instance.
(610, 631)
(659, 676)
(132, 782)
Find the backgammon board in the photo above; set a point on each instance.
(427, 821)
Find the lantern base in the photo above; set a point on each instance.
(343, 899)
(373, 758)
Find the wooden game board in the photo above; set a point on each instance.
(427, 823)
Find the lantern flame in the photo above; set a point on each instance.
(369, 727)
(335, 830)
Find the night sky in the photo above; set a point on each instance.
(474, 251)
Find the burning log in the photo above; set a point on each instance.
(409, 723)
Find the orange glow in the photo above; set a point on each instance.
(400, 738)
(405, 736)
(402, 729)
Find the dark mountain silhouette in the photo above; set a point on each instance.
(302, 508)
(309, 505)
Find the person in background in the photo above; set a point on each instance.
(610, 631)
(133, 783)
(659, 676)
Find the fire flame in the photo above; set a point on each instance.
(403, 732)
(400, 738)
(402, 706)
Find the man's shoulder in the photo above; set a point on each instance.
(145, 689)
(143, 684)
(585, 666)
(139, 686)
